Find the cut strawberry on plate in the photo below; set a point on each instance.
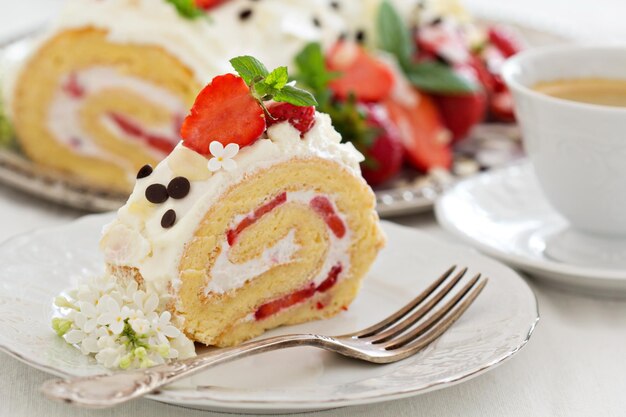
(363, 75)
(505, 40)
(300, 117)
(226, 112)
(462, 112)
(385, 155)
(208, 4)
(426, 141)
(501, 106)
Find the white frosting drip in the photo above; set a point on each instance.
(63, 119)
(283, 143)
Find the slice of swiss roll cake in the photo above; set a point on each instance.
(257, 219)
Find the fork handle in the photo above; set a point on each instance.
(108, 390)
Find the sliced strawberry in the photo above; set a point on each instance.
(462, 112)
(302, 118)
(505, 40)
(232, 234)
(363, 75)
(128, 126)
(384, 157)
(297, 297)
(72, 87)
(208, 4)
(501, 107)
(326, 210)
(482, 74)
(226, 112)
(425, 139)
(331, 280)
(444, 40)
(287, 301)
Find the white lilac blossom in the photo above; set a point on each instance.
(120, 325)
(223, 156)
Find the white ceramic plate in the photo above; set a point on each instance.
(38, 265)
(504, 214)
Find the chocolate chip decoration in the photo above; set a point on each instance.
(178, 188)
(245, 14)
(144, 171)
(168, 219)
(360, 36)
(156, 193)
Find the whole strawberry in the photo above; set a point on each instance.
(384, 157)
(460, 113)
(300, 117)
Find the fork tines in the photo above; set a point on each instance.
(427, 316)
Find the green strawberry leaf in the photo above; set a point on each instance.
(430, 76)
(249, 68)
(187, 9)
(394, 37)
(312, 70)
(435, 77)
(295, 96)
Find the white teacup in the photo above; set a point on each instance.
(578, 150)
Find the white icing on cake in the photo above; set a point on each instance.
(159, 266)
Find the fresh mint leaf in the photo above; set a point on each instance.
(249, 68)
(187, 9)
(277, 79)
(435, 77)
(265, 85)
(295, 96)
(394, 37)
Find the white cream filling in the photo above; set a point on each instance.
(160, 266)
(227, 276)
(64, 120)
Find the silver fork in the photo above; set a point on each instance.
(397, 337)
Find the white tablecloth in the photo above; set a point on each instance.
(575, 364)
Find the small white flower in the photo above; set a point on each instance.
(75, 336)
(182, 348)
(163, 328)
(90, 314)
(113, 316)
(223, 156)
(145, 303)
(94, 316)
(111, 356)
(90, 344)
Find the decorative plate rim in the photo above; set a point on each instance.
(519, 261)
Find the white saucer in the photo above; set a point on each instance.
(37, 266)
(504, 214)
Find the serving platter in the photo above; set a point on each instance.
(494, 328)
(490, 145)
